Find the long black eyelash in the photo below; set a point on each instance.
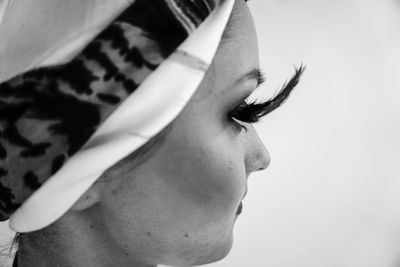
(253, 112)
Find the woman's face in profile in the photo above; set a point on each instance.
(179, 206)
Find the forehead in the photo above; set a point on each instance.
(234, 20)
(237, 53)
(240, 22)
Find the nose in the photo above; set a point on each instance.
(257, 156)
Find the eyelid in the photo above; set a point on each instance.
(244, 112)
(239, 123)
(260, 78)
(247, 112)
(254, 111)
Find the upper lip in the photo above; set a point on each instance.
(245, 193)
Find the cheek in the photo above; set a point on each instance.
(206, 175)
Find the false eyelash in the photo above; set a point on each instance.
(253, 112)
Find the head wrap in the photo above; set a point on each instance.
(81, 94)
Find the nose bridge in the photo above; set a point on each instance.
(257, 155)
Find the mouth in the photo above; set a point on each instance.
(240, 207)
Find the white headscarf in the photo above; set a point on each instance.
(65, 28)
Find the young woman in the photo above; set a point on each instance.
(174, 192)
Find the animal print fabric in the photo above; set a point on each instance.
(47, 114)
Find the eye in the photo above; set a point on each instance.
(254, 111)
(241, 125)
(242, 115)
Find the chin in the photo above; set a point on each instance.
(214, 253)
(200, 251)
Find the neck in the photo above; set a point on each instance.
(73, 247)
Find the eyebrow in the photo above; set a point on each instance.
(255, 74)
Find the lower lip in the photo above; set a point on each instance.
(239, 210)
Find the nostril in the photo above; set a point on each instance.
(258, 160)
(265, 165)
(264, 159)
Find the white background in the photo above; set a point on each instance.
(331, 195)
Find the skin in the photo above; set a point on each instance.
(178, 207)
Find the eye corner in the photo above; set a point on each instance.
(239, 124)
(236, 122)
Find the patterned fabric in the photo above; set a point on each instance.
(47, 114)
